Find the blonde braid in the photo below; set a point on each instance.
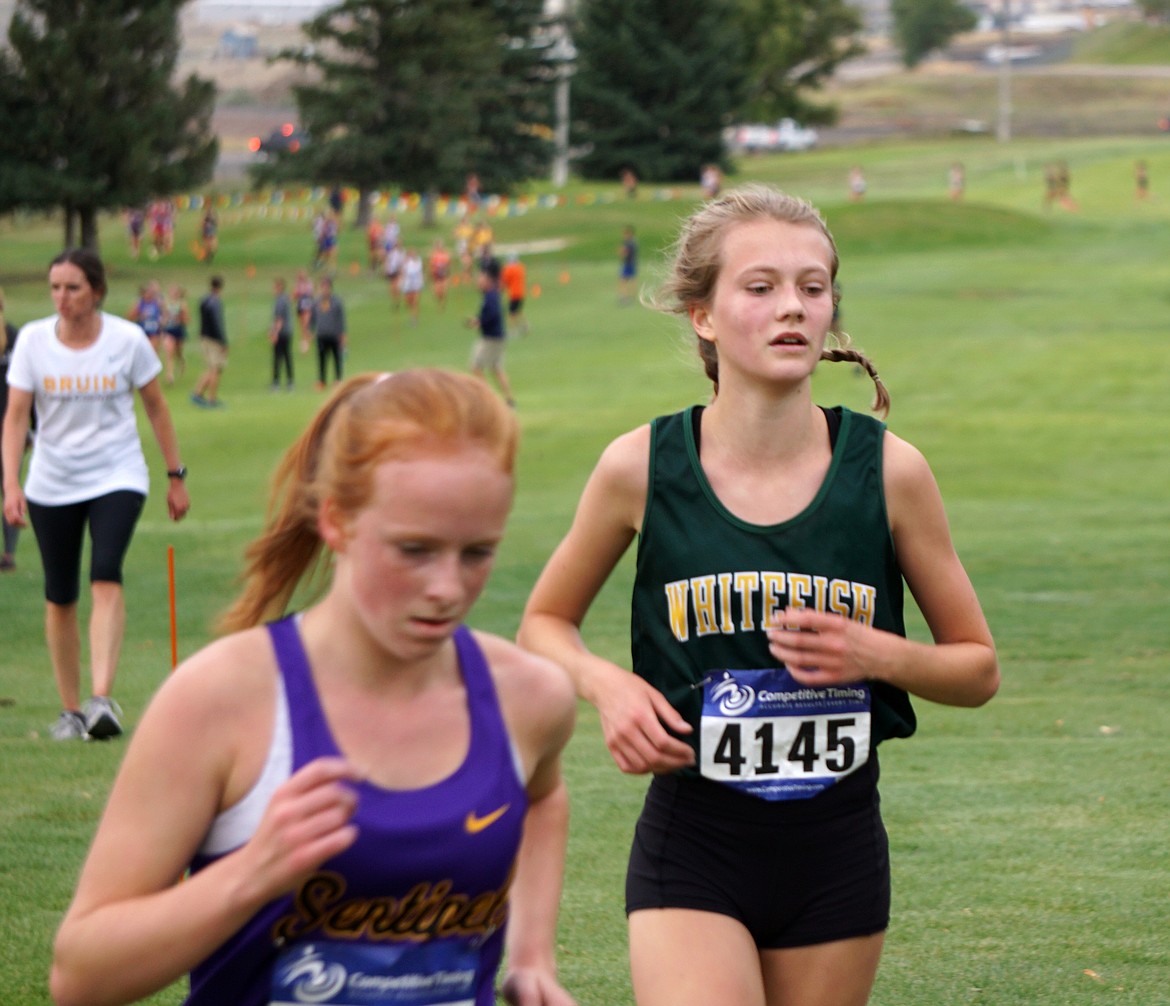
(844, 353)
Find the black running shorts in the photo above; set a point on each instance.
(794, 872)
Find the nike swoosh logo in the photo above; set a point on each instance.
(474, 824)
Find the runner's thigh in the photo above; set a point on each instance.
(840, 973)
(683, 957)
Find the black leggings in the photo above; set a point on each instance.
(282, 356)
(60, 530)
(328, 346)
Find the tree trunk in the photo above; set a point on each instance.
(89, 228)
(363, 213)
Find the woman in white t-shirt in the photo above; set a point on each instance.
(80, 367)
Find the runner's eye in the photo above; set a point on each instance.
(413, 549)
(479, 553)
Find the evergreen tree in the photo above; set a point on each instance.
(516, 113)
(793, 47)
(921, 26)
(419, 94)
(655, 85)
(20, 142)
(98, 123)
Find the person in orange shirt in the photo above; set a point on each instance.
(514, 279)
(374, 244)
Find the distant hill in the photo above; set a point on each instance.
(1124, 44)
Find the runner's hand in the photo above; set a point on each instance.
(818, 648)
(306, 823)
(637, 722)
(531, 987)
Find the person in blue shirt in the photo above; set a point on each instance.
(488, 353)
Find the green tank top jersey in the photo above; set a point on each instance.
(707, 582)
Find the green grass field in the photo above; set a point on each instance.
(1028, 354)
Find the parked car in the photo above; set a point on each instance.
(785, 135)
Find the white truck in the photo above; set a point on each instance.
(786, 135)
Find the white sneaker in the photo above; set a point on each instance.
(102, 717)
(70, 726)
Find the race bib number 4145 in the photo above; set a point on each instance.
(765, 734)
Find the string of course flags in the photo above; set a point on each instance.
(294, 204)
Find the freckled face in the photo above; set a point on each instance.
(772, 303)
(72, 295)
(414, 561)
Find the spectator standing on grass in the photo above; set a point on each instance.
(482, 239)
(956, 181)
(303, 297)
(769, 654)
(857, 184)
(1063, 181)
(487, 356)
(462, 238)
(147, 312)
(1064, 187)
(1058, 186)
(375, 250)
(1141, 180)
(440, 269)
(368, 787)
(209, 236)
(328, 325)
(471, 191)
(135, 224)
(462, 234)
(213, 342)
(629, 183)
(628, 266)
(487, 261)
(178, 316)
(317, 225)
(391, 234)
(413, 278)
(392, 270)
(280, 334)
(80, 368)
(162, 227)
(711, 181)
(326, 231)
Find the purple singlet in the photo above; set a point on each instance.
(413, 913)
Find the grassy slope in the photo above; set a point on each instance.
(1124, 44)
